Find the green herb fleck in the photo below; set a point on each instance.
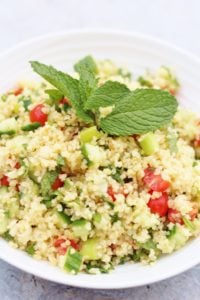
(30, 249)
(7, 236)
(117, 175)
(47, 181)
(60, 161)
(145, 82)
(115, 218)
(31, 127)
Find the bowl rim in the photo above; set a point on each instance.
(99, 31)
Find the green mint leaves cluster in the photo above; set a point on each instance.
(134, 112)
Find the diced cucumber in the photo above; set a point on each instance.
(148, 245)
(63, 219)
(87, 135)
(148, 143)
(31, 127)
(93, 154)
(81, 228)
(97, 218)
(188, 224)
(3, 191)
(89, 249)
(13, 209)
(4, 220)
(8, 126)
(73, 261)
(178, 238)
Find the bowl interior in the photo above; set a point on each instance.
(137, 53)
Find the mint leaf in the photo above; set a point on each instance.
(66, 84)
(54, 95)
(108, 94)
(141, 111)
(87, 63)
(87, 70)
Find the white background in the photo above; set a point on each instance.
(176, 21)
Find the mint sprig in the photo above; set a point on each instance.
(66, 84)
(134, 112)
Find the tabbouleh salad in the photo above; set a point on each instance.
(98, 169)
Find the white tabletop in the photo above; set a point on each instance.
(176, 21)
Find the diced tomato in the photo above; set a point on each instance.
(37, 115)
(74, 244)
(154, 182)
(4, 180)
(17, 165)
(64, 101)
(58, 242)
(62, 250)
(113, 194)
(174, 216)
(18, 91)
(159, 205)
(57, 184)
(193, 213)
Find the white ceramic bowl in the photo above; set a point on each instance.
(137, 52)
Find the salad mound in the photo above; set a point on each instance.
(97, 168)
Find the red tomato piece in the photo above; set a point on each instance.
(37, 115)
(17, 165)
(111, 193)
(62, 250)
(18, 91)
(74, 244)
(159, 205)
(4, 180)
(58, 242)
(154, 182)
(57, 184)
(174, 216)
